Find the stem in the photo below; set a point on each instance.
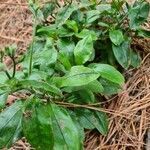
(31, 50)
(14, 67)
(7, 74)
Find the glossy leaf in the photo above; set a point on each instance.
(3, 99)
(92, 15)
(122, 53)
(109, 87)
(108, 72)
(64, 14)
(86, 32)
(66, 48)
(138, 14)
(94, 86)
(66, 134)
(48, 55)
(93, 119)
(10, 124)
(37, 127)
(71, 24)
(135, 59)
(116, 36)
(83, 50)
(79, 76)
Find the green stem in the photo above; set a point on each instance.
(14, 67)
(7, 74)
(31, 50)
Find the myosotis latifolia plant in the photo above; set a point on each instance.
(69, 66)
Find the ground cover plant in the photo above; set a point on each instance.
(70, 65)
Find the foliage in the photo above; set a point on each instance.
(71, 63)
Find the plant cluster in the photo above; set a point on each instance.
(70, 65)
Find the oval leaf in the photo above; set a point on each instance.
(66, 134)
(83, 50)
(37, 127)
(10, 124)
(116, 36)
(79, 76)
(108, 72)
(93, 119)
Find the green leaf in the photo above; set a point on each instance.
(103, 7)
(40, 85)
(37, 127)
(47, 9)
(85, 96)
(110, 88)
(86, 32)
(135, 59)
(92, 15)
(83, 50)
(49, 31)
(94, 86)
(66, 48)
(143, 33)
(66, 134)
(3, 99)
(116, 36)
(71, 24)
(64, 60)
(78, 126)
(64, 32)
(138, 14)
(64, 14)
(79, 76)
(108, 72)
(93, 119)
(47, 56)
(122, 53)
(10, 124)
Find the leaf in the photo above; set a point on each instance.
(138, 14)
(109, 87)
(10, 124)
(64, 32)
(3, 99)
(71, 24)
(47, 9)
(85, 96)
(83, 50)
(37, 127)
(86, 32)
(40, 85)
(93, 119)
(135, 59)
(47, 56)
(92, 15)
(64, 14)
(79, 76)
(122, 53)
(143, 33)
(94, 86)
(64, 60)
(66, 47)
(79, 127)
(108, 72)
(103, 7)
(49, 31)
(66, 134)
(116, 36)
